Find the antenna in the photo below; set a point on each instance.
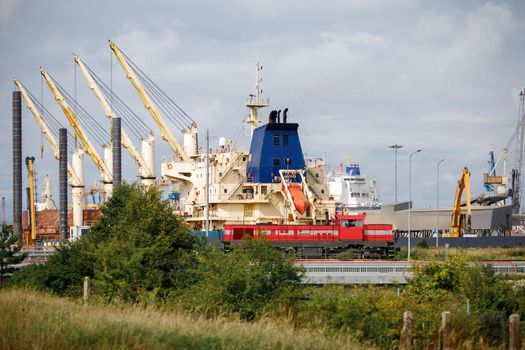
(254, 101)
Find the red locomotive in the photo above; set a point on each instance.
(346, 232)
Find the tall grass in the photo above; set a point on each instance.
(31, 320)
(469, 253)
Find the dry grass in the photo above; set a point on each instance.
(471, 254)
(31, 320)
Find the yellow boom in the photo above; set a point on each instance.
(149, 105)
(75, 181)
(105, 173)
(31, 175)
(126, 142)
(460, 223)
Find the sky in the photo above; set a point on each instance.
(357, 76)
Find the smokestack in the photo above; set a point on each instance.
(62, 182)
(117, 152)
(3, 211)
(17, 165)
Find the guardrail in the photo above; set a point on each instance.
(378, 272)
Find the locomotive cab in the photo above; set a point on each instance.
(351, 227)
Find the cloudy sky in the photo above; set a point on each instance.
(359, 75)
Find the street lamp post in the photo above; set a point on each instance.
(437, 201)
(395, 147)
(207, 183)
(410, 196)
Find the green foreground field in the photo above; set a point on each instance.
(31, 320)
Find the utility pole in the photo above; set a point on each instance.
(395, 148)
(207, 183)
(437, 201)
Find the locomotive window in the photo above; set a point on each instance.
(349, 223)
(359, 223)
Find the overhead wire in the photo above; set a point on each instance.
(95, 130)
(51, 121)
(130, 119)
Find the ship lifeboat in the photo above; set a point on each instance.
(299, 199)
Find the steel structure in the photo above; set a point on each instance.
(75, 169)
(165, 131)
(106, 175)
(146, 171)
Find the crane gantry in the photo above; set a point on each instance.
(106, 175)
(146, 171)
(75, 170)
(190, 133)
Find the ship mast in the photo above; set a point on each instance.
(254, 102)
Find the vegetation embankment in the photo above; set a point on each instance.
(139, 253)
(38, 321)
(467, 253)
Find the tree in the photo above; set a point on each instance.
(142, 251)
(137, 251)
(9, 254)
(247, 281)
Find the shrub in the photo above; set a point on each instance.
(248, 281)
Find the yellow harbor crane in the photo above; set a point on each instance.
(75, 169)
(146, 171)
(32, 210)
(190, 133)
(106, 175)
(461, 223)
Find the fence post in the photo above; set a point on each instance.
(446, 330)
(514, 332)
(86, 289)
(405, 343)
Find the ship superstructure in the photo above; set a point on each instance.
(270, 183)
(351, 190)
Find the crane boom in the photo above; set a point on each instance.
(459, 222)
(149, 105)
(31, 178)
(126, 142)
(75, 181)
(106, 174)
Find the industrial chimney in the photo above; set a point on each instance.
(17, 164)
(62, 183)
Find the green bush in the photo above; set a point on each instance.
(138, 250)
(422, 244)
(248, 281)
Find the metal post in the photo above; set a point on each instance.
(395, 147)
(410, 196)
(17, 165)
(62, 183)
(207, 183)
(437, 201)
(116, 145)
(3, 211)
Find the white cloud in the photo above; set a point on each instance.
(8, 9)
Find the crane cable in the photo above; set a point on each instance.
(138, 127)
(171, 109)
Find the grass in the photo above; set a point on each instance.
(471, 254)
(31, 320)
